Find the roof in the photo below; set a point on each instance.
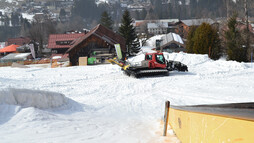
(139, 23)
(103, 33)
(157, 25)
(9, 49)
(53, 38)
(196, 22)
(16, 56)
(171, 37)
(18, 41)
(169, 20)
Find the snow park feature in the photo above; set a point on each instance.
(32, 98)
(211, 123)
(108, 106)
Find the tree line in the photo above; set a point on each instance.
(86, 14)
(188, 9)
(231, 43)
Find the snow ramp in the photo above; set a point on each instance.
(32, 98)
(219, 123)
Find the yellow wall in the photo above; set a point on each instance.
(191, 127)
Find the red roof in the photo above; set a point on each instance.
(137, 24)
(54, 38)
(105, 34)
(18, 41)
(9, 49)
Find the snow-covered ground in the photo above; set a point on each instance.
(100, 104)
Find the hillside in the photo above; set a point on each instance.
(101, 104)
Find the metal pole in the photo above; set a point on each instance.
(167, 105)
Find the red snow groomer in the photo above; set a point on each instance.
(153, 64)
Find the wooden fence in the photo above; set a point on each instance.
(28, 62)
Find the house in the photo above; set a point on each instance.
(60, 43)
(171, 42)
(157, 28)
(183, 26)
(18, 41)
(142, 25)
(97, 44)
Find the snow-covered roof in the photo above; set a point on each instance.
(169, 20)
(152, 41)
(197, 22)
(171, 37)
(16, 56)
(157, 25)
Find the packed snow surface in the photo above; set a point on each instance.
(104, 105)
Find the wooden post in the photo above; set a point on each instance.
(167, 105)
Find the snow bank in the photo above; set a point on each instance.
(152, 41)
(189, 59)
(185, 58)
(32, 98)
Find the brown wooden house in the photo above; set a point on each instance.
(183, 26)
(98, 43)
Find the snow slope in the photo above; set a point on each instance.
(104, 105)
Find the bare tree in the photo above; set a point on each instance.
(75, 24)
(42, 26)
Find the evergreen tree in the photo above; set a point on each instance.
(127, 30)
(234, 42)
(190, 39)
(193, 7)
(85, 8)
(6, 20)
(62, 13)
(14, 19)
(25, 26)
(106, 20)
(143, 14)
(137, 15)
(158, 8)
(206, 41)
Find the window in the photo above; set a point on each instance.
(160, 59)
(149, 57)
(63, 42)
